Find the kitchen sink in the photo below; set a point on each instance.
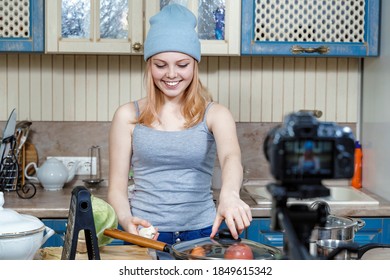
(339, 195)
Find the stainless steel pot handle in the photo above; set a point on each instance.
(360, 223)
(320, 203)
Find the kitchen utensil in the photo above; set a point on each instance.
(20, 235)
(9, 174)
(53, 174)
(31, 155)
(344, 250)
(24, 190)
(80, 218)
(338, 228)
(335, 228)
(9, 131)
(94, 155)
(203, 248)
(22, 130)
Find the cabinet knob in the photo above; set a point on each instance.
(299, 50)
(137, 46)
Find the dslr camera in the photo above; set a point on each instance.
(304, 150)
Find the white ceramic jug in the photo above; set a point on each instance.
(53, 174)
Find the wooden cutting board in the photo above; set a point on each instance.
(125, 252)
(31, 155)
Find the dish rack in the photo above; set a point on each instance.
(12, 167)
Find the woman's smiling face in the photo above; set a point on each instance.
(172, 72)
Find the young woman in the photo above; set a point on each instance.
(170, 140)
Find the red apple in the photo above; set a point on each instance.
(239, 251)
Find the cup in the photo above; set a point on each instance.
(95, 176)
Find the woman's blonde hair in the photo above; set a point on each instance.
(195, 100)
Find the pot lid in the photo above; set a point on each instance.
(12, 223)
(224, 247)
(338, 222)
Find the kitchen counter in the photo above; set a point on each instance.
(55, 204)
(382, 209)
(48, 204)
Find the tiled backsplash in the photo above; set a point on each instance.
(75, 138)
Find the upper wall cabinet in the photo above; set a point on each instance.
(22, 26)
(95, 26)
(120, 26)
(310, 27)
(219, 24)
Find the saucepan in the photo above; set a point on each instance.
(338, 228)
(344, 250)
(224, 246)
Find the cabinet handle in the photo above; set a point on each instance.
(299, 50)
(137, 47)
(316, 113)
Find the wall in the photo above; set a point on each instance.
(255, 89)
(375, 125)
(71, 98)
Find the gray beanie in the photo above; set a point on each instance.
(172, 30)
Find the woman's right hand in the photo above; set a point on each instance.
(134, 223)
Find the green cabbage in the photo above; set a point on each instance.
(104, 217)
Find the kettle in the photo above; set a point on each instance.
(53, 174)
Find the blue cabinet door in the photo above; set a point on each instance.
(375, 231)
(386, 231)
(321, 28)
(21, 31)
(259, 231)
(59, 227)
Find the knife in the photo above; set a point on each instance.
(9, 131)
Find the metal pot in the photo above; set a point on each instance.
(221, 247)
(338, 228)
(20, 235)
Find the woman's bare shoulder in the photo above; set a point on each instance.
(218, 110)
(127, 111)
(218, 114)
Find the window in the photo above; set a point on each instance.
(95, 26)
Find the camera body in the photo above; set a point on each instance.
(304, 150)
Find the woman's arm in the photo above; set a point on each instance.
(231, 208)
(120, 150)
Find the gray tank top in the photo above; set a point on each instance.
(172, 176)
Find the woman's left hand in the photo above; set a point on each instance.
(236, 213)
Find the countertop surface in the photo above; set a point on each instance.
(382, 209)
(55, 204)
